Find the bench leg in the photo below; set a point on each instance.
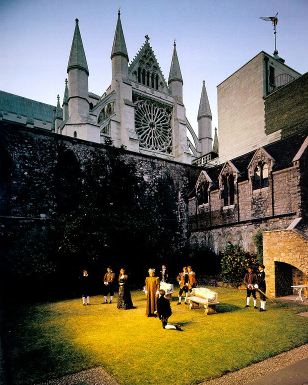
(206, 309)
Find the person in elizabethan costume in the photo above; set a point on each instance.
(109, 279)
(124, 297)
(250, 281)
(192, 281)
(151, 289)
(164, 311)
(261, 286)
(164, 274)
(85, 287)
(183, 280)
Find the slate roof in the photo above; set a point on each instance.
(26, 107)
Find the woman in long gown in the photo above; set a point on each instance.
(124, 298)
(151, 288)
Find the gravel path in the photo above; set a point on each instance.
(254, 372)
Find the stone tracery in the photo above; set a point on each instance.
(153, 125)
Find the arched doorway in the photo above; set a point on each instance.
(284, 279)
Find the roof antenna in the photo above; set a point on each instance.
(274, 20)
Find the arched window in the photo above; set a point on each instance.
(143, 76)
(152, 80)
(203, 193)
(260, 176)
(139, 75)
(156, 82)
(228, 189)
(75, 134)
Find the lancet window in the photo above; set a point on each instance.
(202, 192)
(260, 176)
(228, 189)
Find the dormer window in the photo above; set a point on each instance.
(260, 176)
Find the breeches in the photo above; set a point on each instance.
(251, 292)
(108, 289)
(183, 289)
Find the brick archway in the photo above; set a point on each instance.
(285, 253)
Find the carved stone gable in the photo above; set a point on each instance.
(229, 168)
(261, 156)
(203, 178)
(144, 69)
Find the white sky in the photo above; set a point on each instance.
(214, 38)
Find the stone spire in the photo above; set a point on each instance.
(175, 80)
(58, 115)
(119, 45)
(205, 123)
(58, 109)
(216, 144)
(204, 106)
(175, 70)
(77, 57)
(65, 102)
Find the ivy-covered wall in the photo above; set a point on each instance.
(69, 204)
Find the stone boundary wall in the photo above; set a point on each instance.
(287, 246)
(238, 233)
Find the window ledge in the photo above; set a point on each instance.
(228, 207)
(260, 190)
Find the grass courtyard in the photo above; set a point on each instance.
(49, 340)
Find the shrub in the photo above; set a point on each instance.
(234, 262)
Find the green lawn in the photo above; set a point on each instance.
(50, 340)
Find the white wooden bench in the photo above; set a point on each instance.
(206, 297)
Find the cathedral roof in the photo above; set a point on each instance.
(282, 151)
(175, 70)
(204, 106)
(77, 57)
(19, 105)
(119, 45)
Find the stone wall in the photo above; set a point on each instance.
(288, 247)
(286, 109)
(216, 238)
(72, 203)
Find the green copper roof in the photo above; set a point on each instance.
(119, 45)
(26, 107)
(215, 143)
(175, 70)
(204, 106)
(77, 56)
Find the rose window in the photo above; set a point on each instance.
(153, 126)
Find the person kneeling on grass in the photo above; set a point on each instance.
(164, 311)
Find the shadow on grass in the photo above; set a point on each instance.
(227, 308)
